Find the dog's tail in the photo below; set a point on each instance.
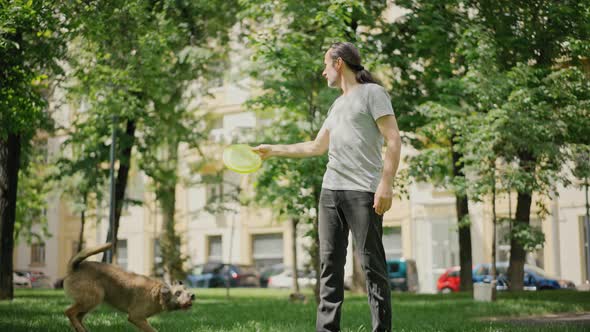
(82, 255)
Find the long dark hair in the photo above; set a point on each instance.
(352, 57)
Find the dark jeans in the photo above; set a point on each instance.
(341, 211)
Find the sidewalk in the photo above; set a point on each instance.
(582, 318)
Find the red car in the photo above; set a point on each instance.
(449, 281)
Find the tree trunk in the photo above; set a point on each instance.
(465, 259)
(315, 260)
(82, 223)
(10, 150)
(314, 249)
(127, 142)
(81, 234)
(517, 252)
(358, 277)
(493, 270)
(522, 216)
(462, 208)
(295, 284)
(170, 244)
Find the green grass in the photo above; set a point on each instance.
(269, 310)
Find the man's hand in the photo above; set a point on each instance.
(264, 151)
(383, 197)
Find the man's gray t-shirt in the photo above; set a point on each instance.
(354, 154)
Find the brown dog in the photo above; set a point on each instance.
(91, 283)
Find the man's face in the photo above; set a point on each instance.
(332, 70)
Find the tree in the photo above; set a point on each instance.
(81, 177)
(181, 62)
(528, 39)
(420, 49)
(134, 60)
(32, 194)
(531, 39)
(108, 78)
(33, 36)
(522, 106)
(227, 198)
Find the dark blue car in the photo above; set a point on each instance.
(534, 277)
(216, 274)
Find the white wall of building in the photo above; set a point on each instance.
(571, 209)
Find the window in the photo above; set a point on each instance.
(392, 242)
(537, 256)
(503, 241)
(215, 189)
(267, 250)
(483, 270)
(394, 267)
(214, 248)
(217, 136)
(217, 133)
(445, 245)
(122, 254)
(38, 254)
(243, 134)
(213, 193)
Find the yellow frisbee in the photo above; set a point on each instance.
(241, 159)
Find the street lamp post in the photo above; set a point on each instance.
(587, 227)
(231, 241)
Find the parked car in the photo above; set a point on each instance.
(38, 279)
(268, 272)
(285, 279)
(449, 281)
(534, 278)
(215, 274)
(20, 281)
(403, 274)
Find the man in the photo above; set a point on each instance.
(357, 185)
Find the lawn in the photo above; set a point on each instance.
(269, 310)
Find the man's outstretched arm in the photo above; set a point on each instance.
(313, 148)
